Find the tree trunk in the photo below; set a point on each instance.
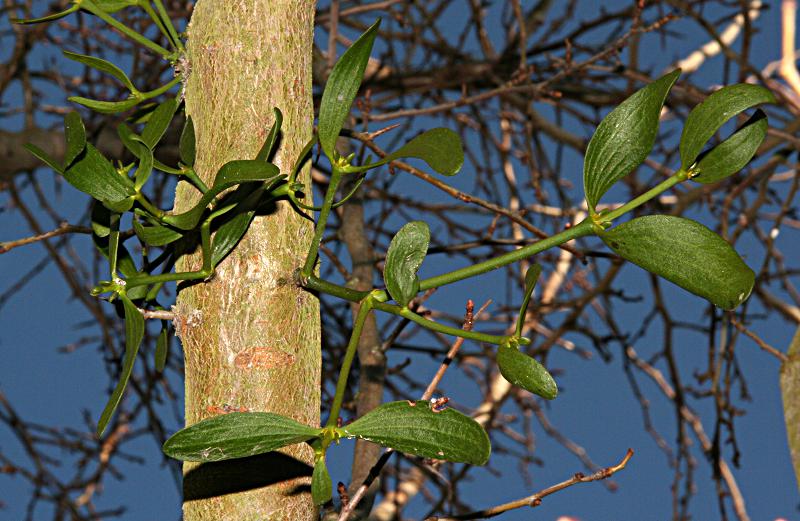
(251, 337)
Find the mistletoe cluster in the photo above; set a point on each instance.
(678, 249)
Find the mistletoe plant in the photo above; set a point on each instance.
(678, 249)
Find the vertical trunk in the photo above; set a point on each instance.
(247, 57)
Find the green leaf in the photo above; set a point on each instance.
(144, 169)
(101, 220)
(48, 18)
(624, 138)
(439, 147)
(231, 173)
(272, 137)
(76, 137)
(525, 372)
(93, 174)
(406, 253)
(790, 394)
(321, 485)
(134, 333)
(156, 234)
(342, 87)
(734, 153)
(112, 6)
(44, 157)
(187, 146)
(418, 429)
(531, 277)
(120, 206)
(130, 140)
(706, 118)
(106, 107)
(236, 435)
(159, 121)
(687, 253)
(162, 347)
(102, 66)
(228, 236)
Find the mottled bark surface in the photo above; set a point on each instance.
(247, 56)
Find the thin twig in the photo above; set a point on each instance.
(157, 314)
(696, 59)
(763, 345)
(62, 229)
(535, 500)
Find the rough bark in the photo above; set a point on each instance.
(246, 57)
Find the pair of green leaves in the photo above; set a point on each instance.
(102, 8)
(440, 148)
(416, 428)
(403, 260)
(678, 249)
(106, 107)
(86, 169)
(625, 137)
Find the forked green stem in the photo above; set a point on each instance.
(193, 178)
(161, 90)
(677, 177)
(327, 203)
(352, 346)
(441, 328)
(156, 212)
(206, 271)
(582, 229)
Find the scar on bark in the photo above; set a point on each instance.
(263, 357)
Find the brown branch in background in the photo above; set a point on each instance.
(157, 314)
(469, 322)
(464, 197)
(728, 35)
(61, 230)
(534, 500)
(755, 338)
(788, 68)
